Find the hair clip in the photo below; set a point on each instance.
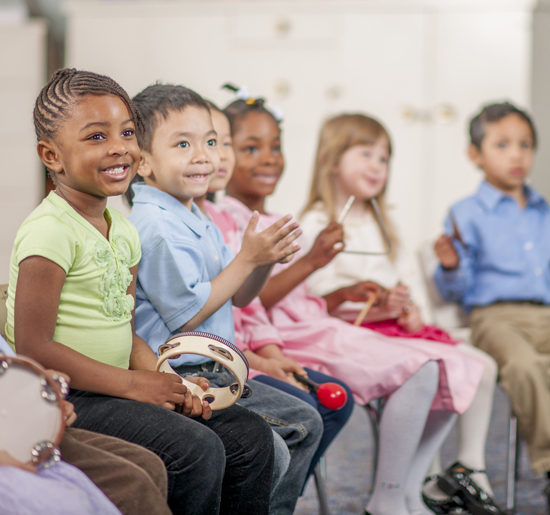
(241, 93)
(277, 113)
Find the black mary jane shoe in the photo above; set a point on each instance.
(457, 481)
(453, 505)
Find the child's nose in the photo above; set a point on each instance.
(268, 158)
(119, 147)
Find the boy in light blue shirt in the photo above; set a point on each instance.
(188, 278)
(495, 261)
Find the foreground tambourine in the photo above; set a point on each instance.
(31, 416)
(217, 349)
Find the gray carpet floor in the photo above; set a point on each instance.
(349, 465)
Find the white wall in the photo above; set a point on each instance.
(318, 58)
(22, 75)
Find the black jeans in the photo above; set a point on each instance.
(222, 465)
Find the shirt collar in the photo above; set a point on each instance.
(490, 196)
(194, 219)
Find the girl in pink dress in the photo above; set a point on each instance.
(353, 157)
(425, 383)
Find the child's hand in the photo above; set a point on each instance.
(361, 292)
(7, 460)
(273, 245)
(192, 405)
(411, 320)
(69, 414)
(158, 388)
(323, 250)
(397, 299)
(446, 253)
(283, 369)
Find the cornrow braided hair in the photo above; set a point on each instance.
(64, 89)
(241, 108)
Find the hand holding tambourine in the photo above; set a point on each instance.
(217, 349)
(32, 418)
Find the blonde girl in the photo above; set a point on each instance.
(353, 157)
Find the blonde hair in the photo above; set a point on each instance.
(338, 134)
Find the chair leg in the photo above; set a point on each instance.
(512, 465)
(319, 475)
(374, 411)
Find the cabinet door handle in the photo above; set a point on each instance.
(445, 114)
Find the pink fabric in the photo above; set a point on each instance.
(372, 364)
(252, 326)
(428, 332)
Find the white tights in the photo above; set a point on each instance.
(473, 425)
(409, 439)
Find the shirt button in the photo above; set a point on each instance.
(538, 271)
(528, 245)
(217, 258)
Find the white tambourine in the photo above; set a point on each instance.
(31, 416)
(217, 349)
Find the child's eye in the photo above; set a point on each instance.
(502, 144)
(384, 160)
(128, 132)
(251, 150)
(211, 142)
(226, 144)
(277, 149)
(366, 154)
(183, 144)
(526, 144)
(97, 136)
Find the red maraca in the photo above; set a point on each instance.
(331, 395)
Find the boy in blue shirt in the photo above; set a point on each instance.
(495, 261)
(188, 277)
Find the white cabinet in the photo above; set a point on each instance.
(22, 74)
(421, 67)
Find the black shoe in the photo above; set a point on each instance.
(457, 481)
(451, 506)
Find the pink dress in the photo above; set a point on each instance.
(373, 365)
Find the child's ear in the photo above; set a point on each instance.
(144, 169)
(47, 152)
(474, 154)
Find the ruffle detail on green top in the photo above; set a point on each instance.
(115, 260)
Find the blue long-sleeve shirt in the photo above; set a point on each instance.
(506, 256)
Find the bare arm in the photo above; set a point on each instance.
(321, 253)
(38, 291)
(245, 276)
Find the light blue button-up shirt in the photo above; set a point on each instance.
(506, 256)
(182, 251)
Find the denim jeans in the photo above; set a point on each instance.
(333, 420)
(299, 425)
(222, 465)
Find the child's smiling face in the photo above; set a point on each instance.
(506, 154)
(260, 163)
(363, 170)
(183, 156)
(96, 150)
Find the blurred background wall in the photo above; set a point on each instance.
(423, 67)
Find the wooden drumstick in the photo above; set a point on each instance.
(371, 300)
(342, 216)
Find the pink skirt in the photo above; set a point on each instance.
(428, 332)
